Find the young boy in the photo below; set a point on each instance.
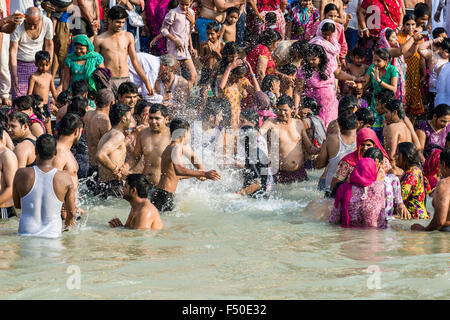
(210, 51)
(41, 82)
(286, 86)
(228, 32)
(172, 168)
(271, 21)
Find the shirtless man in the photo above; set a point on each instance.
(111, 153)
(97, 124)
(19, 129)
(151, 142)
(172, 168)
(89, 19)
(143, 214)
(115, 45)
(441, 199)
(292, 138)
(70, 129)
(8, 168)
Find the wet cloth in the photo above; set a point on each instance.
(414, 191)
(162, 200)
(113, 188)
(298, 175)
(433, 139)
(392, 193)
(116, 82)
(431, 168)
(332, 47)
(155, 11)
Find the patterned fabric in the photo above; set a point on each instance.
(234, 94)
(24, 71)
(413, 98)
(331, 46)
(261, 51)
(259, 26)
(345, 169)
(304, 21)
(433, 138)
(414, 192)
(393, 194)
(268, 5)
(388, 11)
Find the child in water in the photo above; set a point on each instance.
(228, 32)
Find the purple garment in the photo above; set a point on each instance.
(155, 11)
(433, 139)
(24, 71)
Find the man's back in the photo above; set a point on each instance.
(97, 124)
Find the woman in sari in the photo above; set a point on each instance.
(326, 37)
(303, 21)
(361, 201)
(81, 64)
(255, 17)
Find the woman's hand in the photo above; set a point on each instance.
(235, 63)
(376, 74)
(402, 212)
(178, 44)
(417, 36)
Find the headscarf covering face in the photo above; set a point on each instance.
(332, 47)
(431, 167)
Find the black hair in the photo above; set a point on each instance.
(300, 47)
(231, 10)
(316, 50)
(445, 45)
(225, 105)
(374, 153)
(21, 117)
(437, 31)
(389, 32)
(441, 110)
(445, 157)
(347, 121)
(23, 103)
(330, 7)
(1, 132)
(347, 104)
(239, 71)
(366, 116)
(269, 37)
(172, 4)
(382, 52)
(104, 98)
(447, 139)
(4, 117)
(409, 153)
(421, 9)
(127, 87)
(42, 56)
(384, 96)
(177, 124)
(285, 99)
(116, 113)
(69, 123)
(140, 107)
(267, 83)
(396, 105)
(288, 69)
(117, 12)
(408, 17)
(46, 147)
(251, 115)
(64, 97)
(37, 100)
(140, 183)
(154, 108)
(270, 18)
(311, 104)
(358, 51)
(230, 49)
(78, 106)
(211, 109)
(79, 88)
(215, 26)
(328, 27)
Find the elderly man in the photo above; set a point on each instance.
(34, 35)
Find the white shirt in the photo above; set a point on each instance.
(351, 8)
(443, 86)
(27, 47)
(20, 5)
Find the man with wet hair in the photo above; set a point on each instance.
(19, 125)
(8, 168)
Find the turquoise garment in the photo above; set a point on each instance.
(391, 72)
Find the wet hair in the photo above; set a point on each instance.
(384, 96)
(330, 7)
(270, 18)
(117, 12)
(127, 87)
(78, 106)
(396, 105)
(23, 103)
(214, 26)
(347, 121)
(69, 123)
(437, 31)
(231, 10)
(358, 51)
(116, 113)
(288, 69)
(316, 50)
(42, 56)
(140, 183)
(366, 116)
(4, 117)
(447, 139)
(140, 107)
(154, 108)
(168, 60)
(408, 17)
(445, 45)
(20, 117)
(79, 88)
(252, 116)
(267, 83)
(172, 4)
(104, 98)
(269, 37)
(421, 10)
(211, 109)
(389, 32)
(46, 147)
(285, 99)
(311, 104)
(40, 114)
(239, 71)
(441, 110)
(1, 132)
(225, 105)
(383, 53)
(177, 124)
(409, 153)
(328, 27)
(230, 49)
(445, 157)
(374, 153)
(300, 47)
(347, 104)
(64, 97)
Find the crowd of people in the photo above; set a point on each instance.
(108, 92)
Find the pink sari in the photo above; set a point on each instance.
(155, 11)
(332, 47)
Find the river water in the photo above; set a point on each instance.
(217, 245)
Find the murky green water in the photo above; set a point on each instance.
(220, 246)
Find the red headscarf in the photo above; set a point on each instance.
(363, 135)
(431, 167)
(364, 175)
